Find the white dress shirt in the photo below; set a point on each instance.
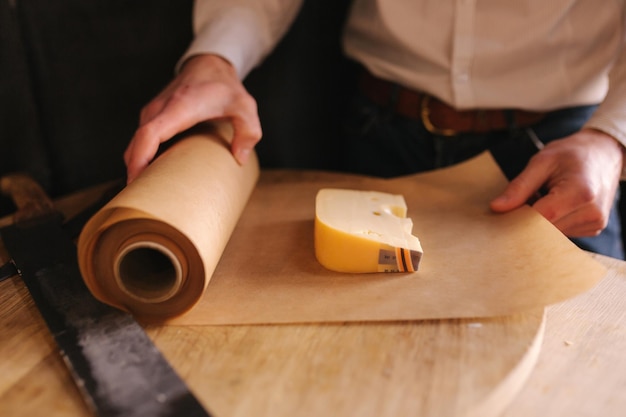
(528, 54)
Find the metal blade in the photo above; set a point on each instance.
(8, 270)
(116, 366)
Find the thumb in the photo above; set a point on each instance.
(521, 190)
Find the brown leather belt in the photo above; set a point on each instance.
(439, 117)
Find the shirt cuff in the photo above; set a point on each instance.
(233, 35)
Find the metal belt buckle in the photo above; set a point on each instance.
(425, 115)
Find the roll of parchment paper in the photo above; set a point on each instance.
(153, 248)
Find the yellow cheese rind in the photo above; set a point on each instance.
(364, 231)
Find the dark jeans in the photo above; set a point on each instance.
(382, 143)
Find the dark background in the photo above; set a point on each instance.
(74, 75)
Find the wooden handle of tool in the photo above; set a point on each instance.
(28, 196)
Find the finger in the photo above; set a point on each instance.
(133, 159)
(157, 104)
(584, 222)
(572, 212)
(247, 133)
(177, 115)
(151, 110)
(524, 187)
(141, 150)
(569, 194)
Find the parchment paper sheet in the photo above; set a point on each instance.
(476, 263)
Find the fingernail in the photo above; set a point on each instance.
(499, 202)
(242, 155)
(503, 198)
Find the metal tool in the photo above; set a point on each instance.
(115, 365)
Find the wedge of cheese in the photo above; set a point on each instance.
(364, 231)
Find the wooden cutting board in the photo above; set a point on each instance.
(457, 367)
(427, 368)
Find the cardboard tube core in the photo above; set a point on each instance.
(148, 271)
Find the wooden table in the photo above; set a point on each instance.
(324, 369)
(581, 370)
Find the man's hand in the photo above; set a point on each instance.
(207, 88)
(580, 173)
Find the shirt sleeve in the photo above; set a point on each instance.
(241, 31)
(610, 117)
